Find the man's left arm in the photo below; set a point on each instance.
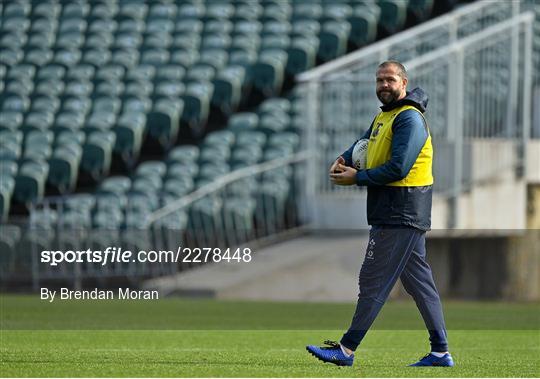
(409, 136)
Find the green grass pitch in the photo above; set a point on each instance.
(205, 338)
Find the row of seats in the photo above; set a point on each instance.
(123, 202)
(96, 78)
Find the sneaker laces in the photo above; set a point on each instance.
(331, 345)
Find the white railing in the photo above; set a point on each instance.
(479, 110)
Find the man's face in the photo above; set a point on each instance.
(390, 86)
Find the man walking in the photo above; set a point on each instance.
(399, 181)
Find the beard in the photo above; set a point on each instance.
(387, 96)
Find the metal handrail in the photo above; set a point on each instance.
(350, 60)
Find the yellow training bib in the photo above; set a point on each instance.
(380, 150)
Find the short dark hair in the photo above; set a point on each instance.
(401, 69)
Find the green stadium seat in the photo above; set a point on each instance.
(129, 132)
(189, 26)
(228, 85)
(178, 188)
(45, 104)
(244, 121)
(146, 184)
(30, 181)
(37, 121)
(247, 154)
(271, 204)
(420, 10)
(182, 170)
(183, 154)
(247, 11)
(197, 105)
(8, 168)
(7, 184)
(302, 54)
(333, 39)
(364, 21)
(220, 137)
(251, 138)
(97, 153)
(215, 154)
(212, 171)
(288, 139)
(306, 12)
(69, 138)
(200, 72)
(156, 57)
(276, 11)
(64, 167)
(205, 219)
(248, 27)
(111, 219)
(150, 168)
(10, 151)
(185, 58)
(10, 120)
(68, 121)
(272, 123)
(214, 57)
(51, 72)
(275, 42)
(269, 71)
(238, 216)
(244, 42)
(163, 121)
(274, 105)
(81, 203)
(245, 187)
(111, 72)
(114, 185)
(216, 41)
(10, 235)
(19, 103)
(393, 15)
(169, 230)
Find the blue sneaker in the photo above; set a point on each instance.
(431, 360)
(331, 354)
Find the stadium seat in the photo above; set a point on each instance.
(163, 121)
(221, 137)
(197, 105)
(269, 70)
(97, 153)
(241, 122)
(393, 16)
(183, 154)
(228, 85)
(129, 132)
(64, 167)
(114, 185)
(333, 39)
(247, 154)
(10, 235)
(250, 138)
(7, 184)
(302, 54)
(215, 154)
(10, 120)
(238, 216)
(30, 181)
(182, 170)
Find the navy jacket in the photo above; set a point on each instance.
(386, 205)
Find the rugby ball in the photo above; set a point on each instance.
(359, 154)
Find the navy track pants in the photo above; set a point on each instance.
(396, 252)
